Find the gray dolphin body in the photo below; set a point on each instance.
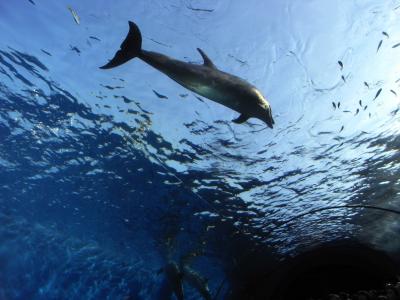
(174, 277)
(205, 80)
(197, 282)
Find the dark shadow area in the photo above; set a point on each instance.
(330, 268)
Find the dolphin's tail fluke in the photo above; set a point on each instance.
(130, 48)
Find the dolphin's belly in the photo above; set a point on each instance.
(211, 93)
(212, 86)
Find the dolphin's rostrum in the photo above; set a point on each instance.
(205, 80)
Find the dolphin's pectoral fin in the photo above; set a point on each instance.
(241, 119)
(207, 60)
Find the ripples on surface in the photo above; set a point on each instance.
(97, 156)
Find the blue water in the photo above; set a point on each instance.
(102, 182)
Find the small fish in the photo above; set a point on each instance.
(396, 45)
(366, 84)
(347, 111)
(360, 102)
(75, 49)
(344, 79)
(341, 129)
(183, 95)
(238, 60)
(379, 46)
(74, 15)
(334, 105)
(369, 115)
(394, 92)
(198, 98)
(357, 111)
(385, 34)
(160, 95)
(341, 65)
(45, 52)
(31, 1)
(378, 93)
(109, 87)
(338, 104)
(200, 9)
(157, 42)
(365, 107)
(94, 38)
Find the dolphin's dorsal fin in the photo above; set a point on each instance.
(207, 60)
(241, 119)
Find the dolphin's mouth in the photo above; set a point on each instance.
(269, 119)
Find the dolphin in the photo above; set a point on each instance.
(175, 275)
(205, 79)
(197, 282)
(174, 278)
